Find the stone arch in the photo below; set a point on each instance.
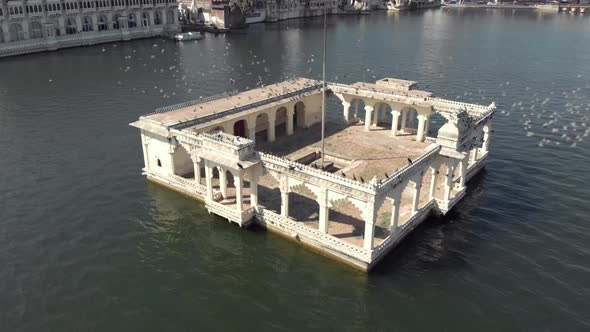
(240, 128)
(16, 32)
(346, 221)
(281, 122)
(303, 205)
(183, 164)
(36, 30)
(299, 120)
(411, 118)
(382, 113)
(131, 20)
(261, 127)
(157, 18)
(71, 27)
(170, 17)
(87, 24)
(103, 23)
(357, 108)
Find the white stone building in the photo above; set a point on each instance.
(28, 26)
(381, 175)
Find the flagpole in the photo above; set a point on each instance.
(324, 84)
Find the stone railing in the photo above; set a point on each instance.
(394, 238)
(192, 102)
(410, 169)
(240, 109)
(317, 173)
(230, 144)
(228, 212)
(323, 239)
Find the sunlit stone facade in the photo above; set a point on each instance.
(28, 26)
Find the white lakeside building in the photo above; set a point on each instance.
(382, 175)
(28, 26)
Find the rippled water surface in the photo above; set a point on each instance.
(86, 244)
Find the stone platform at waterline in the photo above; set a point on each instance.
(255, 157)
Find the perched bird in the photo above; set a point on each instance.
(409, 161)
(240, 166)
(291, 167)
(362, 180)
(353, 177)
(386, 175)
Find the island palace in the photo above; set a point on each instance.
(255, 157)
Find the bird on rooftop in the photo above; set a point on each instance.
(410, 161)
(362, 180)
(240, 166)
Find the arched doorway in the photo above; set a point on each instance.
(382, 114)
(157, 18)
(103, 23)
(299, 116)
(131, 22)
(16, 32)
(71, 27)
(262, 127)
(240, 128)
(87, 24)
(36, 30)
(281, 122)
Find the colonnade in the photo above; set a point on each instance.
(372, 117)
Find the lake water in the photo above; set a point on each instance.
(87, 244)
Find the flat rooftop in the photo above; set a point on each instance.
(392, 89)
(353, 150)
(198, 109)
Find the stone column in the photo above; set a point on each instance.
(394, 122)
(463, 165)
(356, 108)
(271, 127)
(432, 183)
(421, 127)
(223, 182)
(164, 17)
(208, 181)
(426, 126)
(486, 137)
(197, 170)
(239, 185)
(404, 118)
(254, 190)
(290, 121)
(395, 213)
(376, 116)
(368, 113)
(324, 211)
(369, 226)
(62, 26)
(346, 111)
(79, 23)
(284, 203)
(94, 19)
(416, 199)
(172, 168)
(252, 132)
(473, 156)
(5, 31)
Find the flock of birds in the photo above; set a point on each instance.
(552, 119)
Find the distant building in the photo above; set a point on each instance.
(28, 26)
